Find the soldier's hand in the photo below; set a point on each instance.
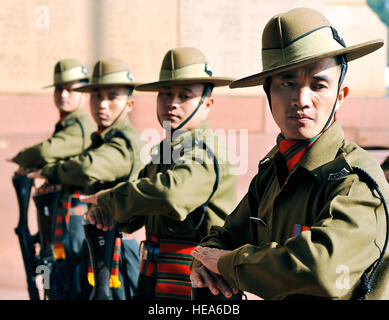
(91, 199)
(202, 277)
(209, 257)
(20, 171)
(36, 175)
(101, 218)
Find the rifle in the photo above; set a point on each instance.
(46, 204)
(22, 186)
(101, 246)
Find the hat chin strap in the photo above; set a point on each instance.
(341, 79)
(207, 89)
(121, 112)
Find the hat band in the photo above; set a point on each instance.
(73, 74)
(197, 70)
(313, 44)
(112, 78)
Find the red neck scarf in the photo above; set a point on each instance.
(100, 130)
(62, 116)
(294, 150)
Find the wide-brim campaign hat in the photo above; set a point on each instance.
(300, 37)
(182, 66)
(68, 70)
(111, 72)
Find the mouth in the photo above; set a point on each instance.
(300, 117)
(102, 116)
(170, 116)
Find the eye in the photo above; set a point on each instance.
(319, 86)
(287, 83)
(184, 96)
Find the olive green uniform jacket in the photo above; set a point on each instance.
(165, 194)
(112, 157)
(346, 220)
(71, 137)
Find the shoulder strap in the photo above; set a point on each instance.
(203, 207)
(120, 134)
(72, 121)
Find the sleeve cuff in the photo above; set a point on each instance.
(227, 268)
(104, 200)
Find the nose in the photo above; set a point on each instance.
(104, 103)
(64, 93)
(303, 98)
(173, 101)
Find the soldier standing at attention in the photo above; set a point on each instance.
(316, 211)
(72, 135)
(73, 131)
(186, 188)
(113, 157)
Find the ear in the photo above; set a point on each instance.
(130, 104)
(83, 99)
(208, 104)
(343, 93)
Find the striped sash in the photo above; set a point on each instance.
(172, 272)
(114, 280)
(71, 205)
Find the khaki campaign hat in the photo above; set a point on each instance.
(300, 37)
(109, 72)
(184, 66)
(68, 70)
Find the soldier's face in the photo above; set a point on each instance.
(107, 104)
(66, 99)
(176, 103)
(302, 99)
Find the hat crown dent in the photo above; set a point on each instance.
(182, 57)
(107, 66)
(285, 28)
(66, 64)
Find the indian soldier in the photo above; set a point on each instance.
(113, 157)
(315, 212)
(72, 135)
(187, 186)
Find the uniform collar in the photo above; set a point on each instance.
(325, 149)
(74, 114)
(324, 160)
(189, 135)
(122, 125)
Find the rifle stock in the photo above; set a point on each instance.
(101, 245)
(22, 186)
(47, 205)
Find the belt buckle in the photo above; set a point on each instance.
(148, 251)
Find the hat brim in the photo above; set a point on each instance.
(154, 86)
(351, 53)
(93, 87)
(57, 84)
